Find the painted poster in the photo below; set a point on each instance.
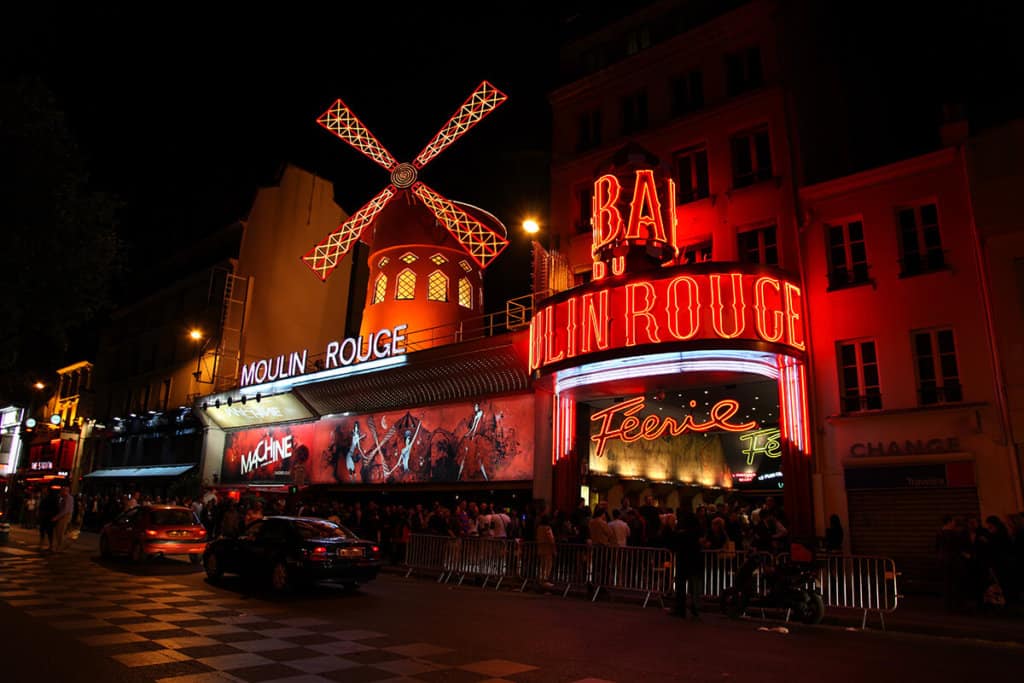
(487, 440)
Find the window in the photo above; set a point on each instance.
(406, 287)
(408, 257)
(637, 40)
(847, 257)
(464, 264)
(465, 293)
(438, 260)
(687, 93)
(589, 131)
(751, 157)
(585, 199)
(437, 286)
(697, 253)
(743, 71)
(759, 246)
(380, 288)
(634, 112)
(384, 260)
(858, 374)
(920, 242)
(938, 374)
(691, 168)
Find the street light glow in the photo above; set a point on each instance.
(195, 334)
(531, 226)
(39, 385)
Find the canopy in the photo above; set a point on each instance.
(136, 472)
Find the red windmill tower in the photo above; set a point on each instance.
(427, 252)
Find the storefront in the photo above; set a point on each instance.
(455, 420)
(673, 380)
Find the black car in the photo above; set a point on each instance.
(292, 551)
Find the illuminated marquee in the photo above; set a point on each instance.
(631, 428)
(679, 306)
(381, 344)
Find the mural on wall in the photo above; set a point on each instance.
(488, 440)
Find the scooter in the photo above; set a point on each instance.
(791, 587)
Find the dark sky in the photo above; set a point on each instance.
(183, 113)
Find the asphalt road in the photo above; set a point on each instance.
(73, 617)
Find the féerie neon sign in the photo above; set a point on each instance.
(631, 428)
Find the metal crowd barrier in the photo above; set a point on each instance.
(859, 582)
(846, 581)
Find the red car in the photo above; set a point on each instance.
(150, 530)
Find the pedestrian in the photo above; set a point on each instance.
(689, 566)
(952, 547)
(546, 550)
(834, 535)
(63, 518)
(49, 507)
(620, 528)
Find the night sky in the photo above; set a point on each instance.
(183, 115)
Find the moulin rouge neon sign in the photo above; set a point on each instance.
(631, 428)
(675, 307)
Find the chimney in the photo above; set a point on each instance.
(954, 125)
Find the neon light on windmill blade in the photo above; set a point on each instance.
(485, 99)
(324, 257)
(340, 120)
(480, 242)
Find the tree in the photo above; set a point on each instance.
(58, 247)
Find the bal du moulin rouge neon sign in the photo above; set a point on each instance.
(665, 303)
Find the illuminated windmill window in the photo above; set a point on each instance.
(409, 257)
(465, 265)
(380, 288)
(437, 286)
(465, 293)
(406, 288)
(383, 262)
(438, 260)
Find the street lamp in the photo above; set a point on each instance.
(195, 334)
(531, 226)
(39, 385)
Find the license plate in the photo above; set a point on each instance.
(176, 533)
(350, 552)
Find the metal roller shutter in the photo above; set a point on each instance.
(902, 524)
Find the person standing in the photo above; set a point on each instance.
(834, 535)
(689, 566)
(619, 528)
(62, 519)
(545, 541)
(49, 506)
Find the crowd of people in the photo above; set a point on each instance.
(981, 562)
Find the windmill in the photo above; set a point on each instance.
(427, 252)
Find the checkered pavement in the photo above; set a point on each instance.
(172, 633)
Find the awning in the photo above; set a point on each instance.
(137, 472)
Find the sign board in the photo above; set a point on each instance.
(268, 410)
(490, 440)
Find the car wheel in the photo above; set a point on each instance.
(812, 609)
(280, 579)
(214, 570)
(105, 548)
(138, 554)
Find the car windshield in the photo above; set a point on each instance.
(172, 517)
(309, 528)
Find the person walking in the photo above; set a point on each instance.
(545, 539)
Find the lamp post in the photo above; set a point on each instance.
(196, 335)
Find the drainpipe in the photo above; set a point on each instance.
(981, 266)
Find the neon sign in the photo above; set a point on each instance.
(381, 344)
(632, 428)
(679, 306)
(648, 229)
(764, 442)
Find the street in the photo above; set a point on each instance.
(72, 616)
